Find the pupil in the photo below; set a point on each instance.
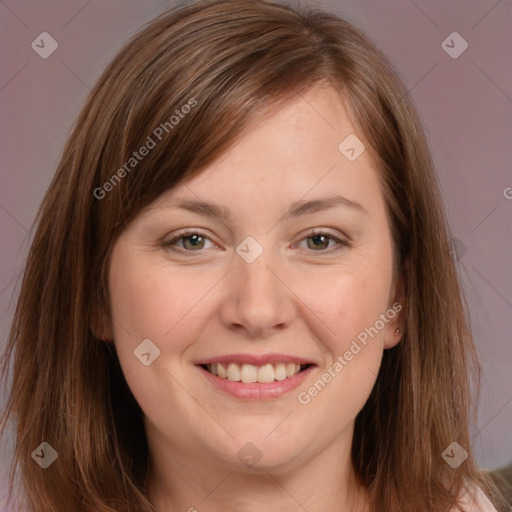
(194, 240)
(318, 239)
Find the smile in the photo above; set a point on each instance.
(255, 377)
(248, 373)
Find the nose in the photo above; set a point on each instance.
(257, 299)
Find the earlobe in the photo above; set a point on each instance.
(396, 326)
(394, 333)
(393, 337)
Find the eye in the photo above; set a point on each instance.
(196, 241)
(319, 241)
(190, 241)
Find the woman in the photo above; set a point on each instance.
(240, 294)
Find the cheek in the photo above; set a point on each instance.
(149, 300)
(143, 305)
(348, 301)
(353, 339)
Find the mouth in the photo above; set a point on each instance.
(255, 377)
(249, 373)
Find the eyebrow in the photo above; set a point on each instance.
(296, 209)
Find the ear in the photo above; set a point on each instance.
(396, 325)
(101, 325)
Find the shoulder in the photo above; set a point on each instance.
(475, 500)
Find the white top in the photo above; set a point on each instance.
(477, 502)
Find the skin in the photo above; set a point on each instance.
(302, 296)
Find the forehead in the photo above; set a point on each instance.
(297, 151)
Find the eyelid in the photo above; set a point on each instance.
(323, 231)
(169, 243)
(343, 241)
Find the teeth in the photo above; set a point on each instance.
(248, 373)
(266, 373)
(291, 369)
(280, 371)
(222, 373)
(233, 372)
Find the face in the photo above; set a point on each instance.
(285, 268)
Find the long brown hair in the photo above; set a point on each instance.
(231, 62)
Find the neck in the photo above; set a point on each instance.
(181, 483)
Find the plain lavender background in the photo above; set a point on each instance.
(466, 104)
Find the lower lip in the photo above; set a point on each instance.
(257, 390)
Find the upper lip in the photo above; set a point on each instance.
(255, 360)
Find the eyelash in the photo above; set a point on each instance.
(181, 235)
